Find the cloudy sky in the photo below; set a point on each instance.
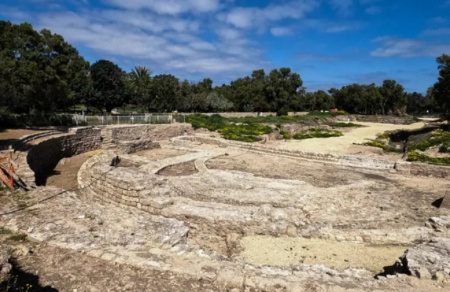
(330, 43)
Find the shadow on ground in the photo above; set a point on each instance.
(21, 281)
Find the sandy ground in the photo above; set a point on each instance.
(265, 250)
(9, 136)
(344, 144)
(65, 173)
(160, 153)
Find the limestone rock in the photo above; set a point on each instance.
(5, 266)
(429, 259)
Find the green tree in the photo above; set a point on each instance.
(416, 103)
(282, 88)
(442, 87)
(164, 93)
(39, 71)
(140, 82)
(108, 88)
(216, 102)
(393, 97)
(357, 98)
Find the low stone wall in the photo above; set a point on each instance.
(369, 163)
(423, 169)
(129, 147)
(249, 114)
(44, 156)
(112, 135)
(128, 187)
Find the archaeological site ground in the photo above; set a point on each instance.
(186, 210)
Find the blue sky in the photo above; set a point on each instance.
(330, 43)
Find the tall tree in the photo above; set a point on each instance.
(164, 93)
(442, 87)
(39, 71)
(108, 86)
(393, 97)
(140, 82)
(282, 87)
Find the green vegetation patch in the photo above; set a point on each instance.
(419, 157)
(287, 119)
(212, 123)
(249, 132)
(4, 231)
(346, 125)
(315, 133)
(437, 138)
(18, 237)
(383, 146)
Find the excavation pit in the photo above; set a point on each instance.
(248, 217)
(180, 169)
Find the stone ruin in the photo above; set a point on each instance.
(192, 225)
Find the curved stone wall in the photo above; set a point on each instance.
(45, 155)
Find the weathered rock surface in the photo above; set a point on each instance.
(428, 260)
(5, 266)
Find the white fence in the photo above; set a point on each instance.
(129, 119)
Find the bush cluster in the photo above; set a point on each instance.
(383, 146)
(249, 132)
(437, 138)
(312, 133)
(346, 125)
(317, 133)
(415, 156)
(8, 120)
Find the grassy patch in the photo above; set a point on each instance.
(285, 135)
(18, 237)
(212, 123)
(317, 133)
(346, 125)
(383, 146)
(247, 132)
(286, 119)
(437, 138)
(419, 157)
(4, 231)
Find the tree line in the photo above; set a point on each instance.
(41, 72)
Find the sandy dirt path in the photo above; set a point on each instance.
(344, 144)
(283, 251)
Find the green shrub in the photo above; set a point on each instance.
(383, 146)
(317, 133)
(18, 237)
(36, 119)
(419, 157)
(243, 138)
(212, 123)
(346, 125)
(246, 132)
(445, 148)
(385, 135)
(286, 135)
(437, 138)
(282, 112)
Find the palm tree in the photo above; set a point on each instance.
(140, 81)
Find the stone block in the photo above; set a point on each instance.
(161, 202)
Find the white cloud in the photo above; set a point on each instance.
(248, 17)
(161, 42)
(396, 47)
(171, 7)
(280, 31)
